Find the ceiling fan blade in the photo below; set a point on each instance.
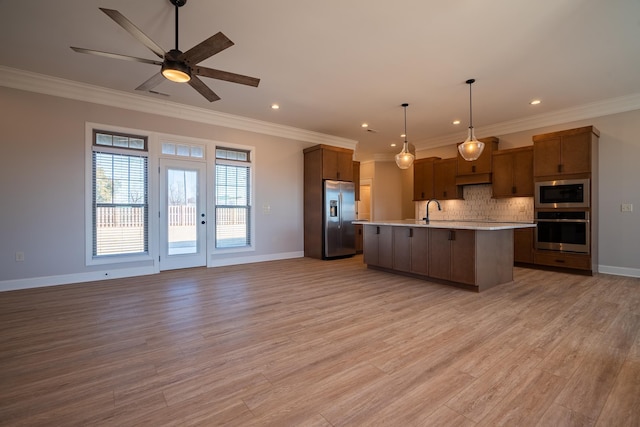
(154, 81)
(226, 76)
(115, 56)
(134, 31)
(214, 44)
(203, 89)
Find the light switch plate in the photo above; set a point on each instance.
(626, 207)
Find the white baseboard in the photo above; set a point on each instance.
(619, 271)
(66, 279)
(221, 262)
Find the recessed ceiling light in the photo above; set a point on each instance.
(275, 107)
(393, 144)
(364, 125)
(456, 122)
(535, 102)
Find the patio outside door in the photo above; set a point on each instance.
(183, 221)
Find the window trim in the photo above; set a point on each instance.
(152, 243)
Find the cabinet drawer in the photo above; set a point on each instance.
(577, 261)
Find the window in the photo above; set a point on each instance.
(120, 210)
(233, 198)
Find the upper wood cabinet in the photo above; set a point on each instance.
(337, 164)
(513, 172)
(444, 179)
(565, 153)
(477, 171)
(423, 178)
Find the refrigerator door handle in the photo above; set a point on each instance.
(340, 210)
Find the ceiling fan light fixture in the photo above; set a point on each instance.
(471, 148)
(404, 159)
(176, 71)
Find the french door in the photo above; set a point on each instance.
(183, 214)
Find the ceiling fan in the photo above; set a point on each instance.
(177, 66)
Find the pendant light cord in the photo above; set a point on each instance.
(405, 105)
(177, 26)
(470, 82)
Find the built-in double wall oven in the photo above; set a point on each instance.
(562, 215)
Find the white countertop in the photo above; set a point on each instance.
(460, 225)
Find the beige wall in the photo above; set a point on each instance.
(42, 185)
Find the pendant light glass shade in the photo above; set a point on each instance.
(404, 159)
(471, 148)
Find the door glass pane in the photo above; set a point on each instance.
(182, 204)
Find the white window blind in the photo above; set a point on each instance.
(233, 198)
(120, 195)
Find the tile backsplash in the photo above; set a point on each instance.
(479, 206)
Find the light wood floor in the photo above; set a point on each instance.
(321, 343)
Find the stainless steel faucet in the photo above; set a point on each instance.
(426, 219)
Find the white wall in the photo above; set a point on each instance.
(42, 176)
(618, 182)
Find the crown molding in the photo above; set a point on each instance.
(48, 85)
(602, 108)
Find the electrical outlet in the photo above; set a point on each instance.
(19, 256)
(266, 209)
(626, 207)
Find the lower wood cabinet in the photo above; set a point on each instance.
(378, 245)
(474, 259)
(410, 249)
(359, 238)
(452, 255)
(523, 245)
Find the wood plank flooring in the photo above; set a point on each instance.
(305, 342)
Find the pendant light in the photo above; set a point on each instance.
(404, 159)
(471, 148)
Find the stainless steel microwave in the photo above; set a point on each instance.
(562, 193)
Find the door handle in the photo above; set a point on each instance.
(203, 222)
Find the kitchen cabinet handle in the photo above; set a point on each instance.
(559, 168)
(473, 168)
(513, 190)
(411, 232)
(377, 230)
(560, 261)
(452, 235)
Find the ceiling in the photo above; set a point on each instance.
(332, 65)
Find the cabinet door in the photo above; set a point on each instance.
(370, 244)
(359, 238)
(378, 249)
(439, 253)
(423, 179)
(420, 251)
(523, 173)
(444, 179)
(503, 172)
(463, 256)
(329, 164)
(345, 166)
(546, 157)
(513, 173)
(402, 237)
(523, 245)
(576, 153)
(385, 246)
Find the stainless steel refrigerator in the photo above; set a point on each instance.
(339, 214)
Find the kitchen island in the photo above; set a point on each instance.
(468, 254)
